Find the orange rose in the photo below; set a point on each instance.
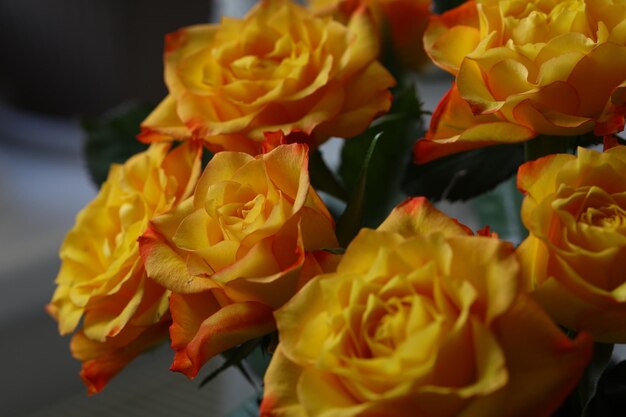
(102, 279)
(525, 69)
(404, 20)
(574, 259)
(420, 319)
(278, 69)
(237, 250)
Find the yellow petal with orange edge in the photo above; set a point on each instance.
(317, 263)
(287, 167)
(106, 316)
(538, 178)
(222, 167)
(570, 310)
(184, 163)
(472, 88)
(454, 128)
(544, 365)
(310, 111)
(280, 397)
(322, 395)
(364, 44)
(269, 272)
(103, 360)
(228, 327)
(164, 118)
(66, 313)
(451, 36)
(607, 59)
(544, 119)
(367, 97)
(302, 324)
(416, 216)
(318, 228)
(494, 281)
(167, 268)
(364, 249)
(533, 257)
(478, 136)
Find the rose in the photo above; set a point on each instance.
(102, 279)
(404, 20)
(237, 250)
(420, 319)
(525, 69)
(575, 255)
(278, 69)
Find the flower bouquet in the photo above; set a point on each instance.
(224, 230)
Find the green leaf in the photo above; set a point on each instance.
(111, 139)
(588, 385)
(352, 218)
(398, 130)
(323, 179)
(441, 6)
(610, 398)
(464, 175)
(545, 145)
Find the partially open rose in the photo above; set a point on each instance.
(237, 250)
(527, 68)
(102, 279)
(420, 319)
(278, 69)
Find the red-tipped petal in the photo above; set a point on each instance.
(196, 338)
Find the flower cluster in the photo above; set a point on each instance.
(417, 315)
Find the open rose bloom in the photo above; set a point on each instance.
(278, 69)
(420, 319)
(237, 250)
(575, 256)
(526, 68)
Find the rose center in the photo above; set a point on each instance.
(611, 216)
(392, 326)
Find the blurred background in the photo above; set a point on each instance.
(63, 62)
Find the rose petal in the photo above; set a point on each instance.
(203, 328)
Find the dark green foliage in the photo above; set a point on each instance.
(111, 139)
(464, 175)
(396, 132)
(441, 6)
(610, 398)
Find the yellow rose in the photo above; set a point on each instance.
(574, 259)
(404, 21)
(278, 69)
(102, 279)
(525, 68)
(237, 250)
(420, 319)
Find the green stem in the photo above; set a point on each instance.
(544, 145)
